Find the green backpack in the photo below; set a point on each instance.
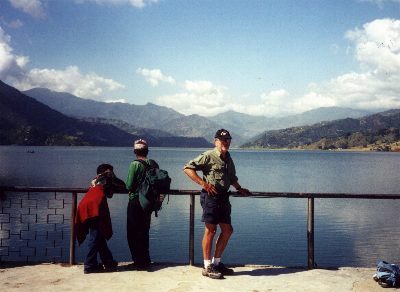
(155, 185)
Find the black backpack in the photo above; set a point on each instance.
(155, 185)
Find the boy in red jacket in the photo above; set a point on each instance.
(93, 218)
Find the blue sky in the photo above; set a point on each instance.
(205, 57)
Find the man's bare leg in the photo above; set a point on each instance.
(223, 238)
(207, 242)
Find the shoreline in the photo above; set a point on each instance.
(31, 149)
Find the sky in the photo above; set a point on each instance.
(259, 57)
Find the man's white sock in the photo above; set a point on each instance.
(207, 263)
(216, 261)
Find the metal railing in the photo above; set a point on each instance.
(192, 193)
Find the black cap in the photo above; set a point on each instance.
(222, 134)
(105, 176)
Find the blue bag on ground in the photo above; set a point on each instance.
(387, 275)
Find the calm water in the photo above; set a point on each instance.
(267, 231)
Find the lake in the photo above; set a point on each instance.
(272, 231)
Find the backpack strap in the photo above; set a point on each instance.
(144, 163)
(147, 166)
(151, 164)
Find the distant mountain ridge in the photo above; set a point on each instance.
(250, 126)
(26, 121)
(381, 128)
(150, 116)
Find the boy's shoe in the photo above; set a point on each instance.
(142, 266)
(223, 269)
(96, 269)
(211, 272)
(111, 266)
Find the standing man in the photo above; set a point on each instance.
(218, 175)
(139, 213)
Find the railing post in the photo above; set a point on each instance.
(191, 231)
(310, 233)
(2, 195)
(72, 237)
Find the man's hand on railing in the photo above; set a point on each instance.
(244, 192)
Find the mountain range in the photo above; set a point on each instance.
(43, 117)
(25, 121)
(151, 116)
(148, 116)
(250, 126)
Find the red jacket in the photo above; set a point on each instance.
(93, 204)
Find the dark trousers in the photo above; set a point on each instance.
(97, 244)
(138, 227)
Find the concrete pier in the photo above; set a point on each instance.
(172, 277)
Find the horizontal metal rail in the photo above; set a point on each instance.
(193, 193)
(4, 189)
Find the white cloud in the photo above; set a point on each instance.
(376, 46)
(134, 3)
(12, 67)
(31, 7)
(155, 76)
(376, 86)
(69, 80)
(14, 71)
(274, 102)
(200, 97)
(368, 90)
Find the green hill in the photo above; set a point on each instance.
(380, 129)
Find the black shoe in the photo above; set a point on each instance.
(142, 266)
(223, 269)
(211, 272)
(96, 269)
(111, 266)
